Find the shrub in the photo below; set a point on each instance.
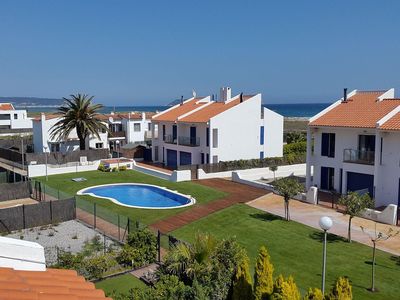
(341, 290)
(130, 256)
(101, 168)
(114, 169)
(295, 148)
(263, 276)
(67, 260)
(295, 137)
(285, 289)
(94, 267)
(123, 168)
(242, 287)
(314, 294)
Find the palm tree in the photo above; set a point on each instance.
(81, 114)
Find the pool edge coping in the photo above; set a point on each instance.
(191, 199)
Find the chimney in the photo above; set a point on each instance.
(226, 93)
(181, 100)
(344, 95)
(241, 97)
(143, 116)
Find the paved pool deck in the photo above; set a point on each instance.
(309, 214)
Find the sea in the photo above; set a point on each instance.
(297, 110)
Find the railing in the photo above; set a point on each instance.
(169, 139)
(359, 156)
(189, 141)
(116, 134)
(148, 135)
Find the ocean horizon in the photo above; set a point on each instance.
(293, 110)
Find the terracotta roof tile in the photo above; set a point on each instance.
(173, 114)
(363, 110)
(46, 285)
(6, 106)
(206, 113)
(392, 124)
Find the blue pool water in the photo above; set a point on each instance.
(137, 195)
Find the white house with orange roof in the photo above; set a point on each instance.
(200, 130)
(11, 118)
(353, 145)
(124, 128)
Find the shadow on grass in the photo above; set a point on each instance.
(331, 238)
(265, 217)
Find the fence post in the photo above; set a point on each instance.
(159, 245)
(23, 216)
(119, 230)
(94, 215)
(44, 192)
(58, 256)
(51, 211)
(129, 225)
(104, 243)
(58, 194)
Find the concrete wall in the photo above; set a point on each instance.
(258, 173)
(40, 170)
(133, 136)
(20, 122)
(273, 134)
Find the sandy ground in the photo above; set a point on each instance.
(309, 214)
(11, 203)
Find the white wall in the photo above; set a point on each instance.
(21, 122)
(273, 134)
(40, 170)
(21, 255)
(133, 136)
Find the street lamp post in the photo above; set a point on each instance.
(325, 223)
(45, 157)
(117, 142)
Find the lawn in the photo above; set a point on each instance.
(119, 284)
(65, 184)
(297, 249)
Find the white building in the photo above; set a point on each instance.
(123, 128)
(201, 131)
(11, 118)
(354, 144)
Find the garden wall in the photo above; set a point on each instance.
(42, 213)
(12, 191)
(40, 170)
(258, 173)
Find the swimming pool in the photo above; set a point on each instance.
(139, 195)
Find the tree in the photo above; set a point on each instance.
(263, 275)
(242, 287)
(341, 290)
(355, 204)
(314, 294)
(295, 137)
(81, 114)
(375, 238)
(288, 188)
(273, 168)
(285, 289)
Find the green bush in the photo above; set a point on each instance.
(295, 148)
(123, 168)
(130, 256)
(101, 168)
(95, 266)
(115, 169)
(263, 275)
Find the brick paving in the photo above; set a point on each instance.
(237, 193)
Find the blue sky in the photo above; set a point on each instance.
(151, 52)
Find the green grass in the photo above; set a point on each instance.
(109, 210)
(297, 249)
(120, 284)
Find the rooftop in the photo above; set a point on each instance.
(362, 110)
(46, 285)
(6, 106)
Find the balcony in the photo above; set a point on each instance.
(183, 140)
(189, 141)
(148, 135)
(359, 156)
(116, 134)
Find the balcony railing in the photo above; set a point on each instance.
(189, 141)
(359, 156)
(148, 135)
(183, 140)
(116, 134)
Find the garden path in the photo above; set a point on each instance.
(237, 193)
(309, 214)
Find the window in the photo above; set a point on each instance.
(99, 145)
(380, 154)
(215, 159)
(327, 178)
(366, 142)
(328, 144)
(148, 126)
(208, 137)
(55, 147)
(262, 155)
(163, 134)
(136, 127)
(155, 153)
(15, 116)
(215, 138)
(262, 135)
(174, 133)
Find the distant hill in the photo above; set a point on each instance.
(31, 101)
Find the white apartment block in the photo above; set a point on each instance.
(11, 118)
(201, 131)
(124, 128)
(353, 145)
